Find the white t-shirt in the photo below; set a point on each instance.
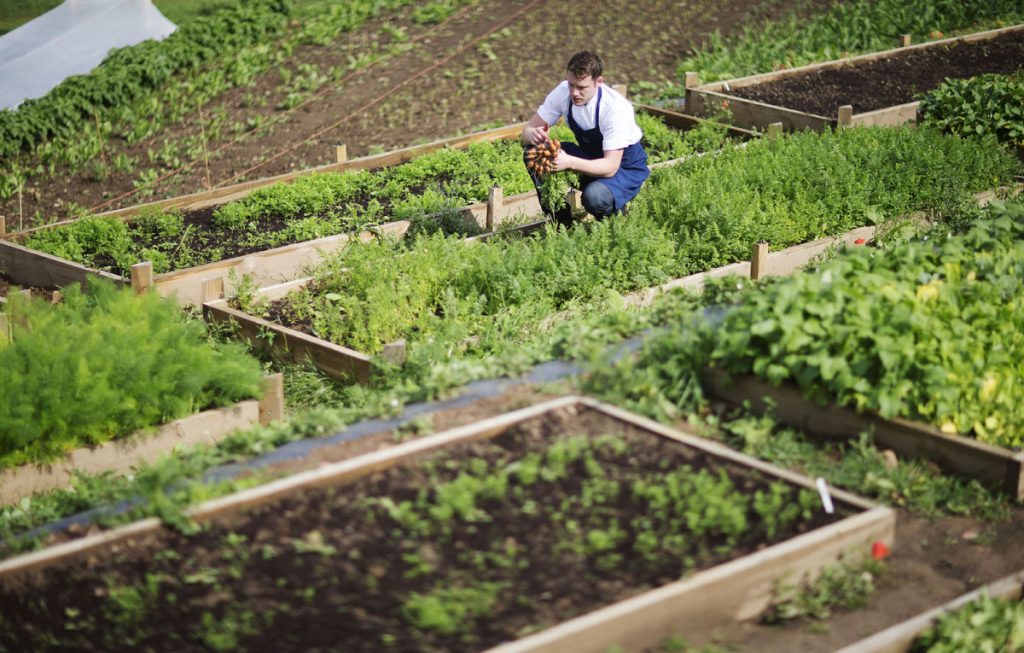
(618, 124)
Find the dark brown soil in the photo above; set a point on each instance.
(6, 286)
(331, 570)
(499, 82)
(890, 81)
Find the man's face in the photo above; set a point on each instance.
(582, 89)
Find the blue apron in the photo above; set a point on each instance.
(633, 170)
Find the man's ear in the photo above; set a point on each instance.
(599, 80)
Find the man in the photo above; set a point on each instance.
(610, 159)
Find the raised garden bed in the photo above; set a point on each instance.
(902, 637)
(507, 533)
(959, 410)
(338, 361)
(871, 89)
(122, 455)
(266, 266)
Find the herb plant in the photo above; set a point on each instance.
(103, 365)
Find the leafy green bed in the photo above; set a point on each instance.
(927, 331)
(104, 365)
(324, 204)
(704, 213)
(987, 104)
(845, 28)
(986, 624)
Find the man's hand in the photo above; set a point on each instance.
(535, 132)
(563, 161)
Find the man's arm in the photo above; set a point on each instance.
(604, 167)
(536, 131)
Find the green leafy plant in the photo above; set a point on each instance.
(105, 364)
(985, 624)
(983, 105)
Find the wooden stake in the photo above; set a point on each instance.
(5, 329)
(17, 315)
(3, 225)
(341, 152)
(213, 289)
(394, 352)
(622, 89)
(692, 80)
(142, 277)
(758, 260)
(905, 40)
(272, 401)
(55, 297)
(845, 115)
(495, 202)
(574, 199)
(774, 130)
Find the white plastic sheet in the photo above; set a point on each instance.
(71, 39)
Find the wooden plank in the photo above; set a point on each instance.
(752, 114)
(898, 638)
(711, 601)
(791, 259)
(887, 116)
(262, 335)
(27, 267)
(266, 267)
(122, 455)
(959, 455)
(685, 121)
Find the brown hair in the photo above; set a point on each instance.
(585, 64)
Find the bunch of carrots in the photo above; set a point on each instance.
(540, 159)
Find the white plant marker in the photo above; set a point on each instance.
(826, 498)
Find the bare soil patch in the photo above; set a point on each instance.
(500, 80)
(890, 81)
(339, 568)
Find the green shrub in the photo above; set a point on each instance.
(105, 364)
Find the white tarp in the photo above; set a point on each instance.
(71, 40)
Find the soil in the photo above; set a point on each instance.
(499, 82)
(334, 567)
(891, 81)
(7, 286)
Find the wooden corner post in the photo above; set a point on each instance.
(341, 153)
(495, 202)
(5, 329)
(845, 115)
(692, 80)
(3, 225)
(774, 130)
(142, 277)
(905, 40)
(621, 89)
(272, 401)
(758, 260)
(213, 289)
